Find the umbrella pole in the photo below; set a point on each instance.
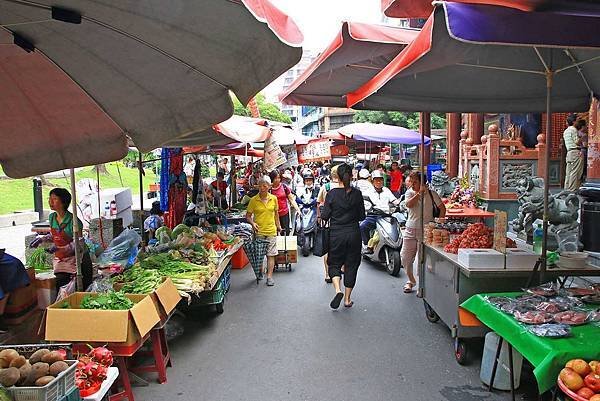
(141, 178)
(549, 78)
(76, 233)
(421, 249)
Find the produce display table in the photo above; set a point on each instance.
(445, 284)
(548, 356)
(471, 212)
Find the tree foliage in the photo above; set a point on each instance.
(267, 110)
(407, 120)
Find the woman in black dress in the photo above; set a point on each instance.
(344, 208)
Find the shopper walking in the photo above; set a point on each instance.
(344, 209)
(284, 195)
(263, 215)
(335, 183)
(416, 193)
(574, 159)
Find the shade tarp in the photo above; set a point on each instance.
(423, 8)
(482, 58)
(382, 133)
(355, 55)
(159, 70)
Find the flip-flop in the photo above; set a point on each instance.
(328, 280)
(349, 305)
(408, 287)
(335, 302)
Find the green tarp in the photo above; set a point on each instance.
(548, 356)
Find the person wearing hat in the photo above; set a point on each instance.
(363, 184)
(381, 197)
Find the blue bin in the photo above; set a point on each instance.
(431, 168)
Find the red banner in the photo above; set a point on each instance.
(317, 150)
(340, 150)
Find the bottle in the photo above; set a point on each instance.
(538, 236)
(113, 209)
(106, 210)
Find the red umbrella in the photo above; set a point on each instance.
(356, 54)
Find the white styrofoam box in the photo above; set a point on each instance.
(481, 258)
(520, 259)
(121, 196)
(127, 216)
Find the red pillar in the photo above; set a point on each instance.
(476, 127)
(593, 158)
(425, 128)
(453, 128)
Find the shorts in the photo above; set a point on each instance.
(272, 246)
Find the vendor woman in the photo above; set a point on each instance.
(61, 234)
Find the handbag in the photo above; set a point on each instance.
(321, 243)
(436, 209)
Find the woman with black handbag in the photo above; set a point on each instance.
(322, 229)
(344, 209)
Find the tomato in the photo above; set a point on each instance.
(593, 382)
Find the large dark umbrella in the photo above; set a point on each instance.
(482, 58)
(153, 70)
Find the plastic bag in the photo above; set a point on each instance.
(123, 249)
(67, 289)
(102, 284)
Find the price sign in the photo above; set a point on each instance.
(500, 227)
(274, 156)
(317, 150)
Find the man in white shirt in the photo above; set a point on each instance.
(381, 198)
(574, 159)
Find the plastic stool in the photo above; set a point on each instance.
(161, 354)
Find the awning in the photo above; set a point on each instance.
(481, 58)
(423, 8)
(382, 133)
(158, 70)
(356, 54)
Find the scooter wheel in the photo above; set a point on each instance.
(393, 268)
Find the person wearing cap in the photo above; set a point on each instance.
(363, 184)
(263, 216)
(381, 198)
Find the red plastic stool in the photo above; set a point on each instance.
(127, 393)
(161, 354)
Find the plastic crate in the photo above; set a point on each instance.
(53, 391)
(216, 296)
(72, 395)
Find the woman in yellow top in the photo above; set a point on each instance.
(263, 215)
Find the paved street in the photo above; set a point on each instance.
(285, 343)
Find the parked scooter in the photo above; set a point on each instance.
(306, 224)
(387, 249)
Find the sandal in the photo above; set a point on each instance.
(408, 287)
(335, 302)
(328, 280)
(349, 305)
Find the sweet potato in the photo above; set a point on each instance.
(53, 356)
(6, 357)
(37, 355)
(42, 381)
(24, 371)
(9, 376)
(38, 370)
(57, 367)
(18, 362)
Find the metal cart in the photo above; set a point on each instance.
(445, 284)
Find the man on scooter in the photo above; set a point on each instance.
(310, 191)
(381, 198)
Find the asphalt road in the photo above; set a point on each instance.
(284, 343)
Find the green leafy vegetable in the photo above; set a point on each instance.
(115, 300)
(40, 260)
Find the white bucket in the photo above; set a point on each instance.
(502, 379)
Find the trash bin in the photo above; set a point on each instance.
(590, 220)
(502, 379)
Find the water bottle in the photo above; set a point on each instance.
(106, 210)
(538, 236)
(113, 209)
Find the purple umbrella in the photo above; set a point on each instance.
(369, 132)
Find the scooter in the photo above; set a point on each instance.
(306, 224)
(387, 250)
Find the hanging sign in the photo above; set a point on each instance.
(317, 150)
(500, 227)
(291, 155)
(340, 150)
(274, 156)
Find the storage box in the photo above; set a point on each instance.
(289, 244)
(481, 258)
(239, 260)
(520, 259)
(45, 284)
(122, 327)
(121, 196)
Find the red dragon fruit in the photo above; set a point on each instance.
(101, 355)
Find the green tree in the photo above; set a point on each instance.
(407, 120)
(267, 110)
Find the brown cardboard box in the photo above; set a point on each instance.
(287, 245)
(22, 302)
(165, 298)
(108, 326)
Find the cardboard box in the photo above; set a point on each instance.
(287, 245)
(21, 303)
(481, 258)
(108, 326)
(165, 298)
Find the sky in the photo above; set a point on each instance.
(320, 20)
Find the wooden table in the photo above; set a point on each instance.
(472, 212)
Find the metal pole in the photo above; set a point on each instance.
(549, 78)
(76, 233)
(141, 179)
(421, 248)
